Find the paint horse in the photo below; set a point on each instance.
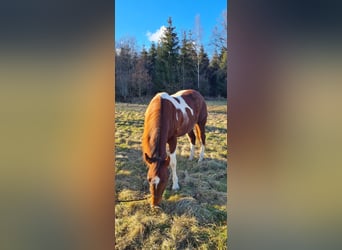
(168, 117)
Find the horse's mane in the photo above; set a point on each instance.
(152, 124)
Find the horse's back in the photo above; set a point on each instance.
(192, 97)
(197, 99)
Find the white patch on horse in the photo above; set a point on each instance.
(202, 152)
(182, 105)
(173, 164)
(181, 92)
(155, 181)
(192, 151)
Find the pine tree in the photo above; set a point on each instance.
(166, 66)
(203, 71)
(160, 83)
(214, 68)
(188, 62)
(151, 67)
(222, 76)
(168, 59)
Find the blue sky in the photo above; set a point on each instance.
(135, 18)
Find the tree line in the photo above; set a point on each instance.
(171, 65)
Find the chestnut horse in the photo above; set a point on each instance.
(168, 117)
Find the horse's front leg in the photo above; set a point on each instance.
(173, 162)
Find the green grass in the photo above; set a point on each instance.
(194, 217)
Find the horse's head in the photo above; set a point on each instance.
(157, 176)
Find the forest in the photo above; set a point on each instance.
(176, 62)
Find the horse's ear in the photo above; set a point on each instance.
(148, 159)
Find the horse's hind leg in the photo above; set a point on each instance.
(192, 139)
(200, 129)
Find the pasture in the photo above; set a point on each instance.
(194, 217)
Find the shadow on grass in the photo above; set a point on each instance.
(134, 122)
(216, 129)
(130, 170)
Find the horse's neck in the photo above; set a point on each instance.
(160, 146)
(159, 131)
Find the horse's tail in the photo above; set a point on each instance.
(198, 133)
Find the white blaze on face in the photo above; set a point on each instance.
(155, 181)
(182, 105)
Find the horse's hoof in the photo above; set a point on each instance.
(156, 207)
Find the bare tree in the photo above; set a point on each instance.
(125, 53)
(198, 37)
(140, 77)
(219, 35)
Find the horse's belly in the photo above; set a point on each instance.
(185, 123)
(184, 130)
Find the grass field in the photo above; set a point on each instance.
(194, 217)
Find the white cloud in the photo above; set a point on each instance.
(118, 51)
(156, 36)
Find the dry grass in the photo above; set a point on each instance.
(195, 217)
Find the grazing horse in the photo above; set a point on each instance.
(168, 117)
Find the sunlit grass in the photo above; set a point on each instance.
(193, 217)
